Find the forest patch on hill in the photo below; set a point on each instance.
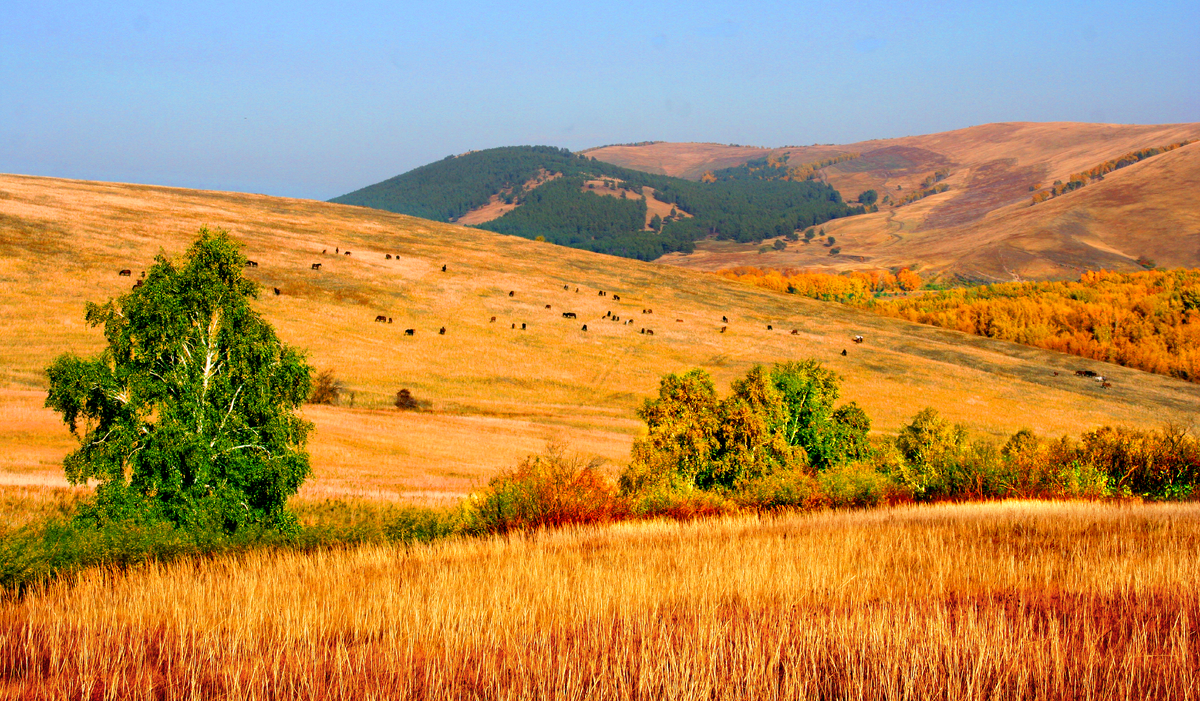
(563, 210)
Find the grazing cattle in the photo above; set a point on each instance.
(616, 318)
(316, 266)
(277, 292)
(410, 332)
(443, 268)
(857, 339)
(138, 284)
(1056, 373)
(389, 319)
(442, 331)
(601, 293)
(143, 273)
(547, 306)
(337, 250)
(724, 320)
(649, 332)
(381, 319)
(576, 290)
(568, 315)
(566, 287)
(723, 329)
(843, 351)
(512, 293)
(387, 256)
(769, 328)
(1105, 385)
(251, 264)
(1099, 378)
(493, 320)
(616, 298)
(522, 327)
(585, 327)
(324, 251)
(125, 273)
(795, 332)
(347, 252)
(1085, 373)
(514, 325)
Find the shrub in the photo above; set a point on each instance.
(555, 488)
(854, 485)
(326, 389)
(405, 400)
(786, 489)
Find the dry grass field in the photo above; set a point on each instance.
(496, 393)
(983, 227)
(1012, 600)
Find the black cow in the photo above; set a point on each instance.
(566, 287)
(277, 292)
(616, 298)
(442, 331)
(125, 273)
(251, 264)
(724, 320)
(843, 351)
(522, 327)
(585, 327)
(316, 266)
(389, 319)
(512, 293)
(387, 256)
(381, 319)
(443, 268)
(769, 328)
(601, 293)
(568, 315)
(723, 329)
(347, 252)
(547, 306)
(410, 332)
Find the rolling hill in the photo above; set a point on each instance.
(983, 227)
(541, 192)
(496, 390)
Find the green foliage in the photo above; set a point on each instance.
(868, 197)
(566, 212)
(189, 414)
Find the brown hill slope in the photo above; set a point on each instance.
(497, 392)
(983, 227)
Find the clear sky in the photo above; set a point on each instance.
(311, 100)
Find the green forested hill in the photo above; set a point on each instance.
(565, 212)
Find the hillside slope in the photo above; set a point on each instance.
(982, 227)
(496, 391)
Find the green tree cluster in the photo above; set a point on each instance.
(774, 421)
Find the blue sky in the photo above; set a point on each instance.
(310, 100)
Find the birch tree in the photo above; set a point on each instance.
(190, 412)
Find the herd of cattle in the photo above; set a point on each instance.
(383, 319)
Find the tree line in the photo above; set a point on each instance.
(1078, 180)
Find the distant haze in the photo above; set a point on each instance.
(314, 101)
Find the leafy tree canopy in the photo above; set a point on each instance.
(189, 414)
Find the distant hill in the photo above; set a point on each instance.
(982, 225)
(575, 201)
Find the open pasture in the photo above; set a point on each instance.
(495, 391)
(1014, 600)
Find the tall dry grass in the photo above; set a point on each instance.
(1005, 600)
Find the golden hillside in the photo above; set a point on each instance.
(497, 392)
(983, 227)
